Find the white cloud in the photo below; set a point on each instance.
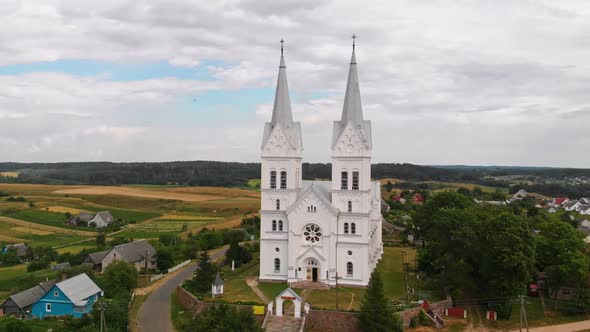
(447, 82)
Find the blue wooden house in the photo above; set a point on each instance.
(74, 297)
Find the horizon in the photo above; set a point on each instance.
(90, 84)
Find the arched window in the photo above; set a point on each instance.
(344, 180)
(283, 180)
(349, 269)
(274, 225)
(280, 225)
(278, 204)
(349, 206)
(314, 209)
(273, 179)
(277, 265)
(352, 228)
(355, 180)
(345, 228)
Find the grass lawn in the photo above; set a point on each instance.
(272, 289)
(37, 325)
(76, 248)
(236, 290)
(348, 298)
(180, 316)
(390, 268)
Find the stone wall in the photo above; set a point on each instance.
(331, 321)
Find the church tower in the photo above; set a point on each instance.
(351, 150)
(281, 179)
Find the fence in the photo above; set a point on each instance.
(185, 263)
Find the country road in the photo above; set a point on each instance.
(154, 314)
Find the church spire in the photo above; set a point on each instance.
(352, 110)
(281, 112)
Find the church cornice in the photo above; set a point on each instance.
(279, 191)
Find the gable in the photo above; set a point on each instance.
(51, 295)
(279, 143)
(351, 141)
(312, 196)
(289, 292)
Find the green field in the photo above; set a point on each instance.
(16, 277)
(44, 218)
(390, 268)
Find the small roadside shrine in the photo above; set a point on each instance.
(217, 286)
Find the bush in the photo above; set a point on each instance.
(37, 265)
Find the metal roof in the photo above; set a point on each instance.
(78, 288)
(218, 281)
(31, 295)
(97, 257)
(136, 251)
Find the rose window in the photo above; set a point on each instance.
(312, 233)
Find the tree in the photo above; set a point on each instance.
(101, 240)
(238, 254)
(560, 253)
(221, 318)
(164, 259)
(31, 204)
(9, 258)
(119, 276)
(464, 191)
(477, 191)
(201, 282)
(92, 224)
(376, 313)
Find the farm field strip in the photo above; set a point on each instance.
(64, 209)
(47, 228)
(139, 192)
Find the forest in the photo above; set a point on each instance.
(234, 174)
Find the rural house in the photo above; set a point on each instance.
(520, 194)
(102, 219)
(20, 303)
(95, 259)
(81, 218)
(74, 297)
(584, 209)
(21, 250)
(99, 220)
(132, 252)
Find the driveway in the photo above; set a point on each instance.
(154, 314)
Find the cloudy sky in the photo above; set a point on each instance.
(444, 82)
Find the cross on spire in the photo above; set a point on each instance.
(282, 42)
(353, 40)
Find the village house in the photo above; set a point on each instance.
(584, 209)
(71, 297)
(99, 220)
(21, 250)
(81, 218)
(19, 304)
(571, 205)
(102, 219)
(132, 252)
(418, 199)
(520, 194)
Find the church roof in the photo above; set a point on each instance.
(281, 111)
(352, 111)
(321, 188)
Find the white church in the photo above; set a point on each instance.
(319, 231)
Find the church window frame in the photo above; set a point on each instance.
(355, 180)
(278, 203)
(345, 228)
(349, 206)
(349, 269)
(283, 179)
(352, 228)
(344, 180)
(312, 233)
(277, 265)
(273, 179)
(274, 225)
(280, 225)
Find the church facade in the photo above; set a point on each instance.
(320, 231)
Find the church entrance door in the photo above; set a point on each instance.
(313, 270)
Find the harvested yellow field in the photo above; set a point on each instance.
(31, 230)
(8, 238)
(9, 174)
(185, 217)
(217, 191)
(137, 192)
(52, 229)
(63, 209)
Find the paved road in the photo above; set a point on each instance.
(154, 314)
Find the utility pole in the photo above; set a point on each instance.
(147, 273)
(523, 314)
(103, 324)
(405, 275)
